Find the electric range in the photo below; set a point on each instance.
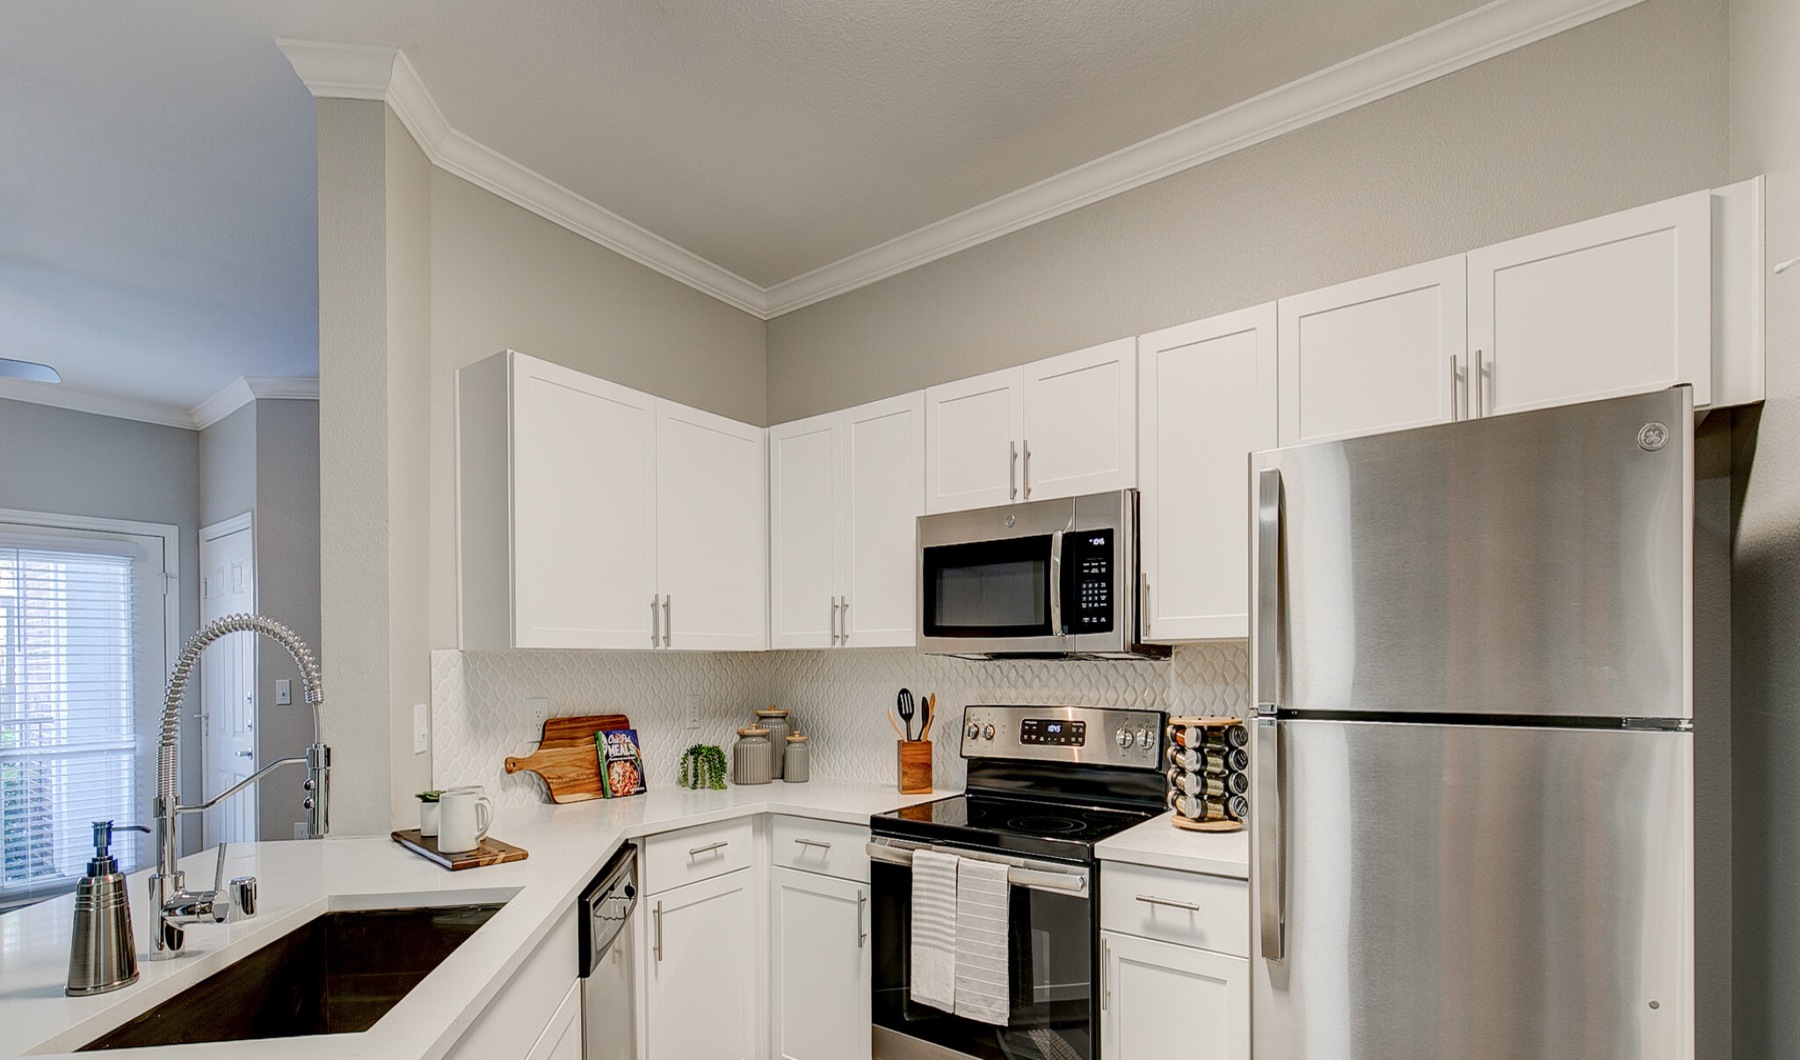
(1045, 784)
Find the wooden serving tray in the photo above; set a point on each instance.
(566, 757)
(490, 852)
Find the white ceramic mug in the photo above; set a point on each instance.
(463, 818)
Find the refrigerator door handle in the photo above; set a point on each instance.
(1268, 588)
(1270, 862)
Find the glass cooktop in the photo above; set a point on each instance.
(1022, 825)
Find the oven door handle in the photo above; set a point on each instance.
(1016, 875)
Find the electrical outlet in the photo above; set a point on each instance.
(691, 706)
(537, 708)
(284, 692)
(421, 728)
(299, 829)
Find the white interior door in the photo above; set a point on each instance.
(1081, 414)
(228, 679)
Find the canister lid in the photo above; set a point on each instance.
(772, 712)
(796, 737)
(753, 730)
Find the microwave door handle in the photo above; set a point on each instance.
(1056, 583)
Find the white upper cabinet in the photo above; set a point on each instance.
(1376, 354)
(972, 432)
(552, 465)
(845, 490)
(1080, 423)
(884, 494)
(1060, 427)
(804, 480)
(594, 516)
(711, 522)
(1206, 401)
(1617, 305)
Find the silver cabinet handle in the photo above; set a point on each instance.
(658, 921)
(805, 842)
(709, 848)
(862, 934)
(1456, 414)
(1484, 392)
(1012, 473)
(1144, 603)
(1268, 589)
(668, 623)
(655, 629)
(1027, 475)
(1056, 558)
(843, 620)
(1270, 862)
(1150, 899)
(1105, 975)
(834, 621)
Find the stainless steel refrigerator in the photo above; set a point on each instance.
(1471, 651)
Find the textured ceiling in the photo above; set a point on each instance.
(159, 187)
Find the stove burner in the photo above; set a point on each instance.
(1046, 825)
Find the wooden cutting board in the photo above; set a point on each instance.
(566, 757)
(490, 852)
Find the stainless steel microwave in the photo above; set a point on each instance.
(1041, 579)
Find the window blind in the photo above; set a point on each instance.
(80, 642)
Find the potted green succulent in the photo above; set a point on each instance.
(428, 811)
(703, 767)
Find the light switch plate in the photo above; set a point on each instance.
(284, 692)
(421, 728)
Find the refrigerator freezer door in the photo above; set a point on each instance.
(1535, 564)
(1476, 893)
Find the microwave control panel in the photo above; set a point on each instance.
(1088, 559)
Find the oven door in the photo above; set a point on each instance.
(1050, 942)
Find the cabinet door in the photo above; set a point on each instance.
(712, 525)
(1080, 423)
(884, 494)
(804, 506)
(1374, 354)
(584, 509)
(561, 1040)
(700, 987)
(972, 432)
(1165, 1000)
(819, 950)
(1617, 305)
(1206, 402)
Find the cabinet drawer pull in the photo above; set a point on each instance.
(709, 848)
(862, 899)
(1150, 899)
(805, 842)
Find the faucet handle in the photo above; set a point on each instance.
(219, 871)
(243, 899)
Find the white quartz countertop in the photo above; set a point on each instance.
(1158, 843)
(299, 880)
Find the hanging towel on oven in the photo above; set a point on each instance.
(983, 973)
(934, 929)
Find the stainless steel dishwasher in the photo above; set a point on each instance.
(608, 965)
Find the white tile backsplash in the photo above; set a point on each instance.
(839, 698)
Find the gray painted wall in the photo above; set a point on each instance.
(1765, 126)
(75, 463)
(1625, 110)
(228, 466)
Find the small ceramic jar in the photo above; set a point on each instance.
(799, 759)
(750, 757)
(775, 720)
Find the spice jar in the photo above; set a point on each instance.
(750, 756)
(799, 759)
(775, 720)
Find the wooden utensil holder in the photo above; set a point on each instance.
(915, 766)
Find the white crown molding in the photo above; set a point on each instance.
(245, 389)
(371, 72)
(233, 396)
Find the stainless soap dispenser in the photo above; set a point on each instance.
(102, 955)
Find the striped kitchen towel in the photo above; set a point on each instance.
(934, 929)
(983, 972)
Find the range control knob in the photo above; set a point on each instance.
(1124, 738)
(1146, 739)
(987, 732)
(974, 730)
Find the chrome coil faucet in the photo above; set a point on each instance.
(175, 905)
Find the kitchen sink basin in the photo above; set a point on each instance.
(336, 974)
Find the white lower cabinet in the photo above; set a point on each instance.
(701, 970)
(561, 1040)
(1166, 1000)
(820, 958)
